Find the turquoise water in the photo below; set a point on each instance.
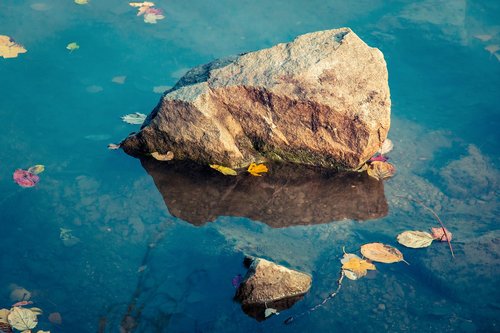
(131, 257)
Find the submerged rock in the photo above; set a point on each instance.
(321, 100)
(268, 285)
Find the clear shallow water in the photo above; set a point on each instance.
(61, 109)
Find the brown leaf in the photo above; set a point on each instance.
(381, 253)
(163, 157)
(55, 318)
(381, 170)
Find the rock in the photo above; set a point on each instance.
(288, 196)
(320, 100)
(268, 285)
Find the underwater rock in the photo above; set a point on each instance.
(269, 285)
(320, 100)
(287, 196)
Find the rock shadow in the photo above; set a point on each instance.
(288, 195)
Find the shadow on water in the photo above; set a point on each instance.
(286, 196)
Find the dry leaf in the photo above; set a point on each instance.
(55, 318)
(113, 146)
(4, 313)
(386, 147)
(141, 4)
(72, 46)
(36, 311)
(163, 157)
(381, 253)
(493, 48)
(22, 318)
(354, 267)
(119, 79)
(9, 48)
(381, 170)
(40, 331)
(439, 235)
(484, 37)
(270, 311)
(134, 118)
(257, 169)
(36, 169)
(81, 2)
(224, 170)
(415, 239)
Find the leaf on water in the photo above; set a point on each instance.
(439, 235)
(415, 239)
(134, 118)
(493, 48)
(9, 48)
(224, 170)
(72, 46)
(381, 253)
(113, 146)
(22, 319)
(18, 293)
(36, 311)
(119, 79)
(4, 314)
(386, 147)
(270, 311)
(163, 157)
(68, 238)
(141, 4)
(40, 331)
(81, 2)
(257, 169)
(36, 169)
(22, 303)
(381, 170)
(354, 267)
(25, 178)
(152, 15)
(484, 38)
(55, 318)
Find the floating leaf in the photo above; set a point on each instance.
(25, 178)
(270, 311)
(22, 319)
(119, 79)
(4, 314)
(381, 170)
(354, 267)
(18, 293)
(36, 169)
(163, 157)
(381, 253)
(113, 146)
(386, 147)
(224, 170)
(415, 239)
(81, 2)
(36, 311)
(55, 318)
(439, 235)
(484, 38)
(257, 169)
(9, 48)
(134, 118)
(68, 238)
(40, 331)
(22, 303)
(492, 48)
(72, 46)
(378, 158)
(141, 4)
(152, 15)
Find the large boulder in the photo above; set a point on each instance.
(321, 100)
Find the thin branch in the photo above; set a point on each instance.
(437, 218)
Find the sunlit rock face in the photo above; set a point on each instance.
(286, 196)
(269, 285)
(322, 99)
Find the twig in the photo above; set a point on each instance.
(437, 218)
(289, 320)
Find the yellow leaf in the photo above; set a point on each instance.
(381, 170)
(9, 48)
(22, 319)
(381, 253)
(415, 239)
(257, 169)
(224, 170)
(141, 4)
(36, 169)
(36, 311)
(163, 157)
(40, 331)
(357, 266)
(4, 313)
(81, 2)
(73, 46)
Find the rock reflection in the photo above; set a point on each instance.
(287, 196)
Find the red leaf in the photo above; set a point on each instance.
(438, 234)
(25, 178)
